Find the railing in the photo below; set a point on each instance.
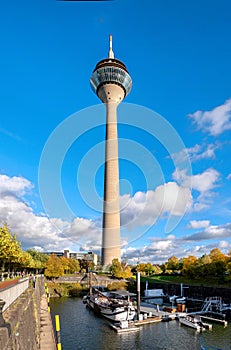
(212, 302)
(11, 293)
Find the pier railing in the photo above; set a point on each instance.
(12, 292)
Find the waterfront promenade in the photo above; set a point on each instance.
(47, 339)
(25, 322)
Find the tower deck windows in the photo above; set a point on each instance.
(110, 75)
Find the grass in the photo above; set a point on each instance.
(208, 281)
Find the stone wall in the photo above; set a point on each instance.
(20, 326)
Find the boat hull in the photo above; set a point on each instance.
(189, 322)
(116, 313)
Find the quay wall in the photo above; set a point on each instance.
(21, 322)
(197, 292)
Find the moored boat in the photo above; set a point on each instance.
(192, 322)
(115, 306)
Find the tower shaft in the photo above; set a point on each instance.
(111, 212)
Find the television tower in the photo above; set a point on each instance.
(111, 82)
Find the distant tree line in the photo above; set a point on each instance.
(213, 264)
(14, 260)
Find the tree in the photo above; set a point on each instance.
(218, 262)
(120, 270)
(65, 264)
(39, 259)
(217, 255)
(25, 260)
(54, 267)
(10, 248)
(157, 270)
(173, 263)
(141, 268)
(73, 265)
(203, 265)
(149, 269)
(189, 266)
(228, 270)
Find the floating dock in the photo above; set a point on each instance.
(216, 320)
(129, 328)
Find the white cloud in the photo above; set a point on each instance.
(161, 249)
(196, 153)
(205, 181)
(228, 177)
(38, 230)
(198, 224)
(14, 185)
(203, 151)
(56, 234)
(212, 232)
(145, 208)
(215, 121)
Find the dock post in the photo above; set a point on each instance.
(138, 293)
(48, 304)
(90, 282)
(57, 327)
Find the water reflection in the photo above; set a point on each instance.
(81, 329)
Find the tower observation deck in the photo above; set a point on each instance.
(111, 82)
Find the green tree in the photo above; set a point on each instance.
(39, 259)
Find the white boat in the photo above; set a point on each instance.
(115, 306)
(177, 299)
(192, 322)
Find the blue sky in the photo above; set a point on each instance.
(174, 126)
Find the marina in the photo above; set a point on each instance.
(78, 322)
(118, 307)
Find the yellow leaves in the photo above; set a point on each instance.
(119, 270)
(54, 267)
(11, 251)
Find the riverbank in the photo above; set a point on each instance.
(26, 323)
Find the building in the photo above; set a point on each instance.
(111, 82)
(58, 254)
(87, 256)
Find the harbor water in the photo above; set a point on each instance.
(81, 329)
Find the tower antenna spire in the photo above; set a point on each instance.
(110, 53)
